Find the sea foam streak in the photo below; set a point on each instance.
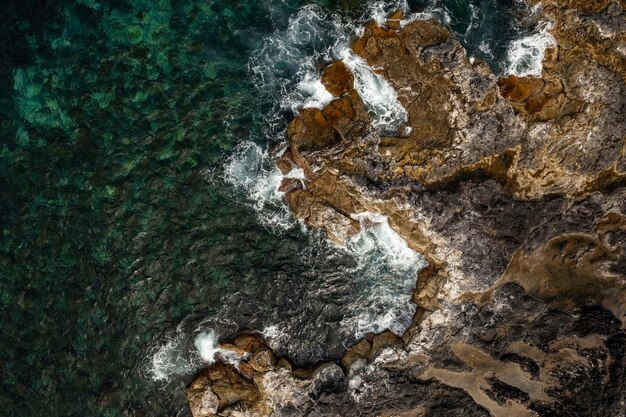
(377, 93)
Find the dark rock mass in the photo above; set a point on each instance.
(513, 188)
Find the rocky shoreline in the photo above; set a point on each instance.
(513, 188)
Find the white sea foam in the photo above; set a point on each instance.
(207, 346)
(525, 55)
(388, 269)
(316, 95)
(380, 10)
(251, 169)
(181, 353)
(432, 11)
(167, 358)
(379, 96)
(485, 48)
(288, 64)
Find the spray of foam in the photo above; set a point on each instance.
(180, 355)
(525, 55)
(388, 269)
(206, 344)
(316, 95)
(380, 10)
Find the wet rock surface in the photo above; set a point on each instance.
(514, 190)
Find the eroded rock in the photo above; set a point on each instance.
(512, 188)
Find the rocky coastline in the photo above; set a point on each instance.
(513, 188)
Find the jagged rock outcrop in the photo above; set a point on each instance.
(514, 188)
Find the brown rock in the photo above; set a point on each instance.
(246, 370)
(330, 189)
(366, 45)
(289, 184)
(394, 19)
(383, 340)
(284, 165)
(249, 342)
(520, 89)
(263, 360)
(423, 33)
(348, 116)
(223, 382)
(361, 349)
(338, 227)
(337, 78)
(310, 130)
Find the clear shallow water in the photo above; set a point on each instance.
(124, 235)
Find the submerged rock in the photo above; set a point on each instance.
(512, 187)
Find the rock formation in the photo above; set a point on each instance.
(514, 188)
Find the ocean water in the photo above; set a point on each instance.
(141, 220)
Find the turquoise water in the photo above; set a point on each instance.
(118, 229)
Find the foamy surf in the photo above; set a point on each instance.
(316, 95)
(379, 96)
(207, 346)
(388, 269)
(525, 55)
(169, 359)
(379, 280)
(380, 10)
(251, 169)
(182, 353)
(288, 64)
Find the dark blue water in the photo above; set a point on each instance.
(119, 231)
